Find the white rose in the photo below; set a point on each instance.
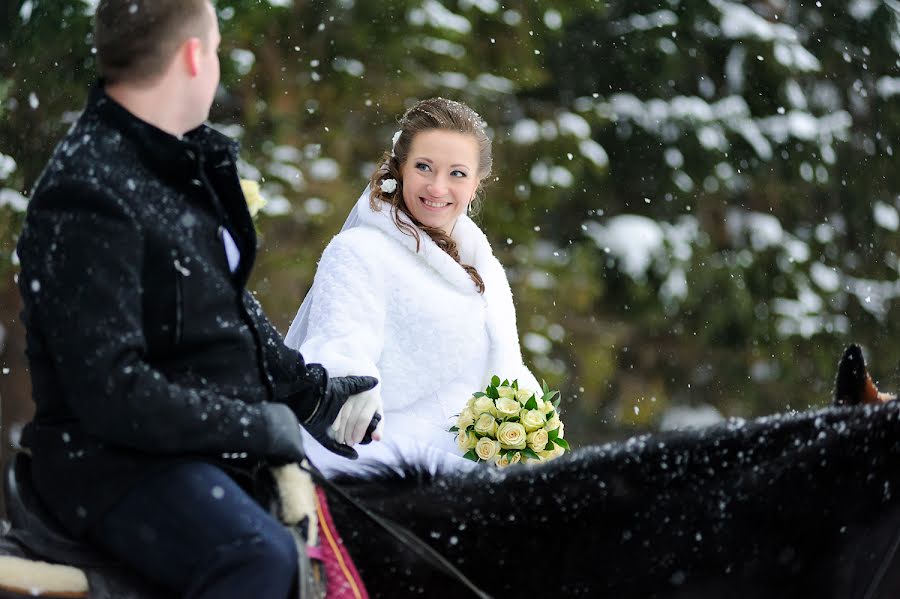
(537, 440)
(547, 407)
(523, 395)
(551, 454)
(532, 419)
(553, 423)
(465, 420)
(471, 405)
(484, 405)
(511, 435)
(506, 392)
(389, 186)
(466, 440)
(486, 425)
(486, 448)
(507, 407)
(562, 430)
(508, 459)
(254, 199)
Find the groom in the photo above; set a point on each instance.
(155, 373)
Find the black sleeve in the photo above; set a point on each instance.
(291, 376)
(81, 254)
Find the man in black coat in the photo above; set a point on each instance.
(154, 370)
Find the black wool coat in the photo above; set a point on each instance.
(144, 346)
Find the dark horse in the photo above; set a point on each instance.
(794, 505)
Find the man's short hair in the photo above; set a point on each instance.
(136, 39)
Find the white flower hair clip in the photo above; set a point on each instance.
(389, 186)
(394, 142)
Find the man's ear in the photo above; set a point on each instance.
(191, 51)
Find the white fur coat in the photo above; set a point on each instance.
(416, 321)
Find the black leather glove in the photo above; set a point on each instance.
(335, 394)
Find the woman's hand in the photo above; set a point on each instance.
(356, 422)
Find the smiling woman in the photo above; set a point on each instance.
(410, 292)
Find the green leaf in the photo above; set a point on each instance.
(549, 396)
(545, 387)
(550, 414)
(528, 452)
(562, 443)
(453, 429)
(495, 381)
(515, 384)
(531, 404)
(471, 455)
(478, 394)
(556, 403)
(553, 434)
(492, 393)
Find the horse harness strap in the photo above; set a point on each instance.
(881, 572)
(404, 536)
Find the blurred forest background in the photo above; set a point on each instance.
(696, 200)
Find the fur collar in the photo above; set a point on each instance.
(474, 247)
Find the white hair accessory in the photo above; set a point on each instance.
(394, 142)
(389, 186)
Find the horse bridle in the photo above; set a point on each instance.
(405, 537)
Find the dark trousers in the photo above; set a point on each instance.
(195, 531)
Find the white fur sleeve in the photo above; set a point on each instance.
(346, 319)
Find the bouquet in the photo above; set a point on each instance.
(507, 424)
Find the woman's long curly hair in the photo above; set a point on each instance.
(429, 115)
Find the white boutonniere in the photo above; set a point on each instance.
(254, 198)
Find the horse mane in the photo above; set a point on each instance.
(767, 504)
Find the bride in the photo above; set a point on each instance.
(410, 292)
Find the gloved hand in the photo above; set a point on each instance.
(337, 392)
(356, 422)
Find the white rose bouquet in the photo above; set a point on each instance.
(506, 424)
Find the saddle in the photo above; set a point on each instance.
(39, 558)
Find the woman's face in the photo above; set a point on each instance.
(440, 177)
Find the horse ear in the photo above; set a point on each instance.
(850, 382)
(853, 385)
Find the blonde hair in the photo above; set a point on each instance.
(428, 115)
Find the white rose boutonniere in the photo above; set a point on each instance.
(254, 199)
(506, 425)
